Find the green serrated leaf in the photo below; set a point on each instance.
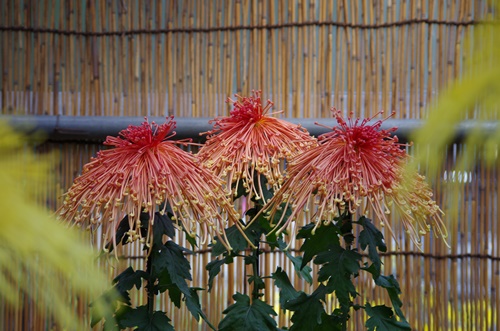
(330, 323)
(170, 258)
(303, 272)
(258, 282)
(372, 238)
(239, 191)
(259, 227)
(392, 286)
(213, 269)
(121, 230)
(308, 310)
(246, 316)
(337, 260)
(344, 222)
(236, 240)
(174, 293)
(193, 305)
(287, 291)
(324, 237)
(125, 281)
(140, 319)
(165, 283)
(339, 267)
(191, 239)
(382, 319)
(163, 225)
(122, 313)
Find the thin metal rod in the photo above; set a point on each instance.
(95, 129)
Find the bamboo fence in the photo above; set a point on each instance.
(184, 58)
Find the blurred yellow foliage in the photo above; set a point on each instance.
(474, 96)
(34, 247)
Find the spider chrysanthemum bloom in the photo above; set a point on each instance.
(249, 143)
(356, 165)
(145, 170)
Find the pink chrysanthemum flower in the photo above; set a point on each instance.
(250, 142)
(144, 170)
(357, 165)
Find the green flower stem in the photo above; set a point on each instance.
(256, 273)
(150, 284)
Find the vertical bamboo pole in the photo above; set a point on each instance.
(16, 51)
(170, 57)
(237, 49)
(96, 64)
(328, 62)
(296, 49)
(287, 62)
(193, 63)
(357, 48)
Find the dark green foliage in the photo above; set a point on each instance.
(330, 246)
(193, 304)
(236, 240)
(143, 320)
(329, 323)
(392, 286)
(244, 315)
(304, 272)
(214, 267)
(123, 228)
(169, 258)
(318, 241)
(382, 319)
(167, 270)
(339, 267)
(372, 238)
(162, 225)
(308, 310)
(287, 291)
(123, 283)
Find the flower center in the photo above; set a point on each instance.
(363, 137)
(144, 135)
(249, 109)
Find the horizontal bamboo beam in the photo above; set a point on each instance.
(95, 129)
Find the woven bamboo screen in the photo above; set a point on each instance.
(184, 58)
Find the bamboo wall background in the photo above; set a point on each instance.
(184, 58)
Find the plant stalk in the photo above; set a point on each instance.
(150, 284)
(256, 273)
